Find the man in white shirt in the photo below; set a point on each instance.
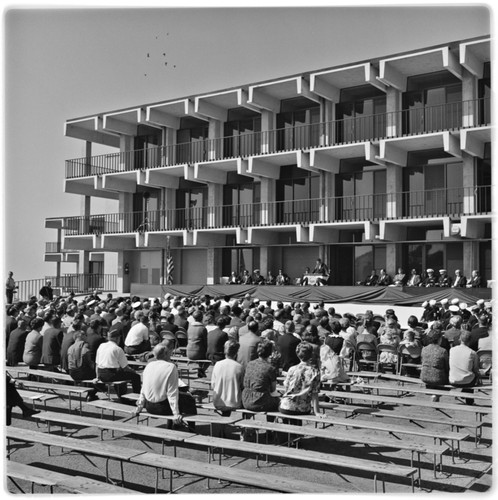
(464, 365)
(137, 340)
(159, 394)
(227, 380)
(112, 365)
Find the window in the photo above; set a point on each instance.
(241, 204)
(298, 124)
(242, 133)
(191, 143)
(147, 151)
(432, 103)
(297, 194)
(191, 208)
(361, 115)
(361, 195)
(433, 190)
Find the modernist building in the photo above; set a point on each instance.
(375, 164)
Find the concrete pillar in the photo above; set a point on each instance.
(169, 150)
(268, 208)
(213, 265)
(469, 94)
(470, 257)
(214, 201)
(126, 160)
(215, 139)
(327, 195)
(394, 186)
(268, 125)
(264, 264)
(169, 204)
(123, 281)
(393, 258)
(469, 182)
(393, 112)
(327, 117)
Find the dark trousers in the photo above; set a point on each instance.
(466, 388)
(118, 374)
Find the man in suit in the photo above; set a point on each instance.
(286, 345)
(248, 344)
(475, 280)
(460, 280)
(372, 279)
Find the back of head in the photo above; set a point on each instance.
(231, 348)
(197, 315)
(304, 351)
(264, 348)
(253, 326)
(465, 337)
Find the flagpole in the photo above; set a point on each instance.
(168, 280)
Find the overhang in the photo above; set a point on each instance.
(473, 55)
(269, 165)
(267, 235)
(328, 84)
(395, 71)
(167, 177)
(122, 241)
(54, 223)
(328, 232)
(395, 230)
(168, 114)
(473, 140)
(473, 226)
(396, 150)
(81, 242)
(175, 238)
(329, 158)
(216, 105)
(217, 236)
(124, 122)
(268, 95)
(216, 171)
(88, 186)
(121, 182)
(90, 130)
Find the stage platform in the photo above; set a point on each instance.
(395, 296)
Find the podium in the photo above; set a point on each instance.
(313, 278)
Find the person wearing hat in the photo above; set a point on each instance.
(257, 279)
(444, 280)
(430, 311)
(430, 279)
(464, 312)
(444, 313)
(453, 333)
(460, 280)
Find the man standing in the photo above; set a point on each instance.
(47, 292)
(10, 288)
(112, 365)
(464, 365)
(322, 270)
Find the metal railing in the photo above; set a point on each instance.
(414, 121)
(63, 285)
(405, 204)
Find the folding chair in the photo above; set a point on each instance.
(366, 356)
(392, 363)
(406, 359)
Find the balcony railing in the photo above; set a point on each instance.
(407, 204)
(63, 285)
(415, 121)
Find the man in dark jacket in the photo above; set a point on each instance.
(286, 345)
(52, 343)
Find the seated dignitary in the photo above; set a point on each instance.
(112, 365)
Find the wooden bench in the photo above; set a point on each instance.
(36, 396)
(479, 411)
(144, 416)
(394, 430)
(104, 450)
(456, 393)
(165, 435)
(378, 469)
(71, 484)
(353, 437)
(15, 371)
(56, 389)
(160, 462)
(476, 427)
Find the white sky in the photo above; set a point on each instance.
(64, 63)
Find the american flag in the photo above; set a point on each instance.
(170, 267)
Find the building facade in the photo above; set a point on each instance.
(382, 163)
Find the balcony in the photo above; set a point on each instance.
(416, 121)
(373, 207)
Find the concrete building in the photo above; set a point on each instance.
(382, 163)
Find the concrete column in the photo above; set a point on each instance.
(169, 150)
(268, 208)
(86, 212)
(327, 194)
(394, 186)
(470, 257)
(126, 161)
(393, 258)
(468, 184)
(268, 125)
(125, 204)
(169, 208)
(393, 110)
(469, 94)
(214, 201)
(327, 117)
(264, 264)
(213, 265)
(215, 135)
(123, 279)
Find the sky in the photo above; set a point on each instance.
(64, 62)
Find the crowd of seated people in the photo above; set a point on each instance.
(254, 343)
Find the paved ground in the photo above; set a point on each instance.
(471, 472)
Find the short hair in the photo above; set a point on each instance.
(231, 348)
(161, 350)
(36, 323)
(433, 336)
(456, 321)
(253, 326)
(264, 348)
(78, 334)
(290, 327)
(335, 326)
(304, 351)
(412, 321)
(344, 322)
(465, 337)
(197, 315)
(114, 335)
